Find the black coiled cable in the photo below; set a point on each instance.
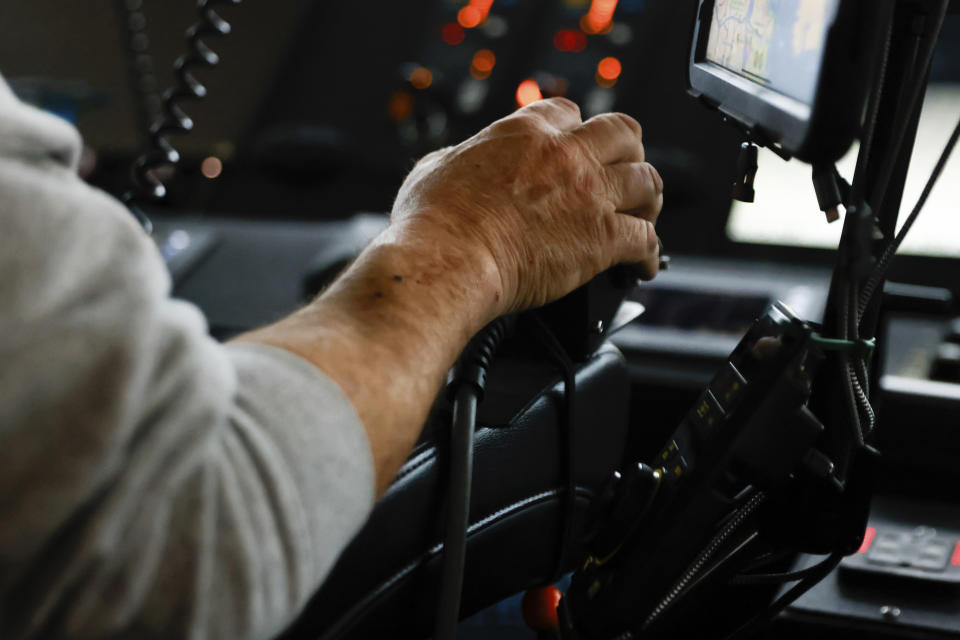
(468, 384)
(173, 119)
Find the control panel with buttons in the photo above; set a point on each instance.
(749, 428)
(920, 553)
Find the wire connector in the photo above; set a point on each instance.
(747, 167)
(826, 183)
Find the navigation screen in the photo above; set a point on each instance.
(776, 43)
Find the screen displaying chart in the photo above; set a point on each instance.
(776, 43)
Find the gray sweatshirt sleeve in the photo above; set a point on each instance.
(153, 483)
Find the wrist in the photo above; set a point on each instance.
(431, 271)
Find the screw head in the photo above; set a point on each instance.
(599, 328)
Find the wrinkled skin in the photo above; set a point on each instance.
(551, 200)
(518, 215)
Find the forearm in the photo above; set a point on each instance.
(388, 331)
(520, 214)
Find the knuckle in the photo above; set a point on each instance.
(630, 123)
(564, 103)
(646, 175)
(612, 229)
(652, 242)
(526, 121)
(651, 174)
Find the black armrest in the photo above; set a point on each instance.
(385, 583)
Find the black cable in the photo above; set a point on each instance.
(773, 578)
(912, 98)
(468, 383)
(680, 587)
(873, 111)
(876, 277)
(458, 511)
(815, 574)
(146, 186)
(844, 324)
(568, 370)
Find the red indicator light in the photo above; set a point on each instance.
(421, 78)
(955, 560)
(528, 92)
(453, 34)
(569, 40)
(600, 16)
(868, 537)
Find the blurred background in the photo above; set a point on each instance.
(318, 109)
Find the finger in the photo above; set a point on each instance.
(635, 242)
(562, 113)
(612, 137)
(637, 189)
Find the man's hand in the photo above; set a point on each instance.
(530, 208)
(551, 200)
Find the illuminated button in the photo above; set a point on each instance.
(890, 548)
(728, 388)
(669, 451)
(679, 468)
(707, 413)
(932, 555)
(675, 470)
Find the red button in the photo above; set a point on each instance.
(540, 608)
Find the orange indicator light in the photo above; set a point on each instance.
(528, 92)
(484, 60)
(401, 106)
(421, 78)
(600, 16)
(609, 68)
(469, 17)
(474, 13)
(482, 64)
